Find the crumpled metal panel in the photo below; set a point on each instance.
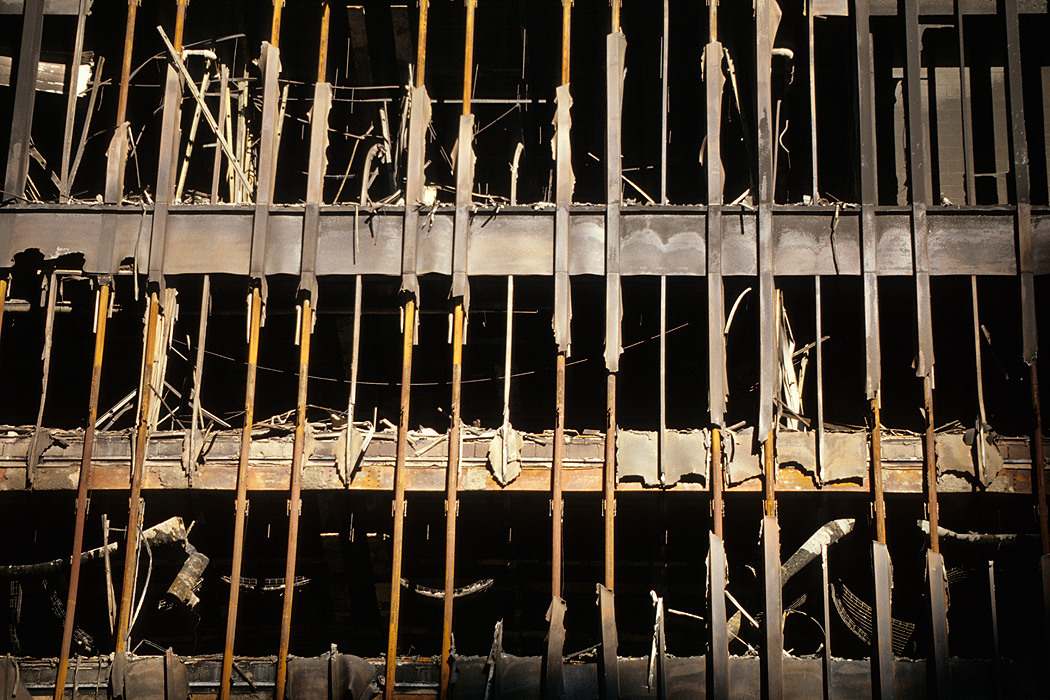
(743, 462)
(686, 453)
(636, 456)
(334, 676)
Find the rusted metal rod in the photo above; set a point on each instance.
(399, 497)
(146, 389)
(1038, 459)
(241, 507)
(717, 482)
(876, 471)
(275, 26)
(929, 447)
(609, 480)
(125, 67)
(180, 23)
(295, 497)
(557, 501)
(421, 43)
(452, 498)
(3, 301)
(101, 313)
(322, 55)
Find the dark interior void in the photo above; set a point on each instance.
(517, 68)
(1005, 377)
(344, 556)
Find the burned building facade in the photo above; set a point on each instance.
(702, 340)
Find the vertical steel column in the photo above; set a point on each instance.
(815, 193)
(718, 669)
(25, 98)
(399, 498)
(413, 187)
(451, 497)
(940, 671)
(241, 504)
(561, 290)
(146, 389)
(768, 322)
(101, 314)
(1030, 334)
(661, 436)
(294, 496)
(615, 47)
(49, 334)
(464, 195)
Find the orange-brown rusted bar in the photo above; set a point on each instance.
(322, 56)
(101, 314)
(876, 471)
(717, 483)
(770, 472)
(421, 43)
(125, 67)
(566, 36)
(930, 456)
(241, 507)
(615, 15)
(127, 593)
(3, 300)
(180, 24)
(399, 497)
(294, 497)
(452, 497)
(275, 26)
(557, 501)
(1038, 459)
(468, 57)
(609, 480)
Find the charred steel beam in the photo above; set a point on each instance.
(294, 496)
(83, 485)
(241, 503)
(25, 98)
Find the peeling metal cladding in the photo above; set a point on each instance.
(511, 243)
(434, 244)
(816, 241)
(378, 244)
(587, 244)
(652, 244)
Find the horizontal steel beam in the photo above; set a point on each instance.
(655, 240)
(270, 460)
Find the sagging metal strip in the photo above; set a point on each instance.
(767, 16)
(882, 629)
(419, 118)
(773, 653)
(718, 659)
(615, 52)
(608, 663)
(941, 672)
(270, 64)
(566, 183)
(166, 162)
(315, 188)
(552, 685)
(461, 224)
